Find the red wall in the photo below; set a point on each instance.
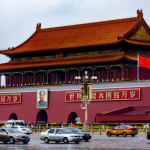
(144, 73)
(59, 110)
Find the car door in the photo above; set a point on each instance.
(58, 135)
(3, 135)
(51, 134)
(115, 130)
(122, 128)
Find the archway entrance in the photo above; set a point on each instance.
(41, 117)
(72, 116)
(13, 116)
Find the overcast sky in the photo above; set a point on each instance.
(18, 18)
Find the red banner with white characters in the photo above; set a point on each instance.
(106, 95)
(10, 98)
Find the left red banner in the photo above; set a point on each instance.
(10, 98)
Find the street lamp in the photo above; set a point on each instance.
(86, 94)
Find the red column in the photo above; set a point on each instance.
(47, 78)
(99, 75)
(34, 78)
(10, 79)
(114, 75)
(53, 77)
(17, 79)
(129, 72)
(107, 73)
(122, 72)
(22, 78)
(41, 78)
(65, 76)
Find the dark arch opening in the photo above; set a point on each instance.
(95, 119)
(72, 116)
(13, 116)
(41, 117)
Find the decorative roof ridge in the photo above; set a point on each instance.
(139, 20)
(89, 24)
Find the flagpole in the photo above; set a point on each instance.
(138, 67)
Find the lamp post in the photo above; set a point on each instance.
(86, 94)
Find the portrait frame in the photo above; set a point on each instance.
(39, 104)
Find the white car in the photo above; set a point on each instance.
(23, 129)
(60, 135)
(16, 122)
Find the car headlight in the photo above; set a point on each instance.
(18, 136)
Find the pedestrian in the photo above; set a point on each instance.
(32, 125)
(147, 125)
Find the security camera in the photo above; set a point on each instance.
(81, 105)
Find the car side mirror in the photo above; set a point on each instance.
(6, 132)
(59, 132)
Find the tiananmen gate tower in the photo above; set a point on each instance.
(51, 58)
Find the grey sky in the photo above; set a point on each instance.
(18, 18)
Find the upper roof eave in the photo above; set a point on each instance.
(12, 51)
(91, 34)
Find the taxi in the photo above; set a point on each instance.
(122, 130)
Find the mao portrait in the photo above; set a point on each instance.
(42, 98)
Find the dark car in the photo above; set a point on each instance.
(148, 134)
(85, 136)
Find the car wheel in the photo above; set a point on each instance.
(124, 134)
(108, 134)
(65, 140)
(57, 141)
(46, 140)
(76, 142)
(4, 142)
(133, 135)
(86, 139)
(117, 135)
(25, 142)
(11, 140)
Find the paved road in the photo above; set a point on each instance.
(98, 142)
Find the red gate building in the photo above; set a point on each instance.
(48, 61)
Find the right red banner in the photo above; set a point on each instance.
(143, 62)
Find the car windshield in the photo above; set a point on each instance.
(128, 126)
(8, 123)
(75, 130)
(12, 130)
(23, 127)
(66, 131)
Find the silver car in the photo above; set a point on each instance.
(13, 135)
(60, 135)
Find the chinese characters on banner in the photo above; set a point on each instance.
(10, 98)
(104, 95)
